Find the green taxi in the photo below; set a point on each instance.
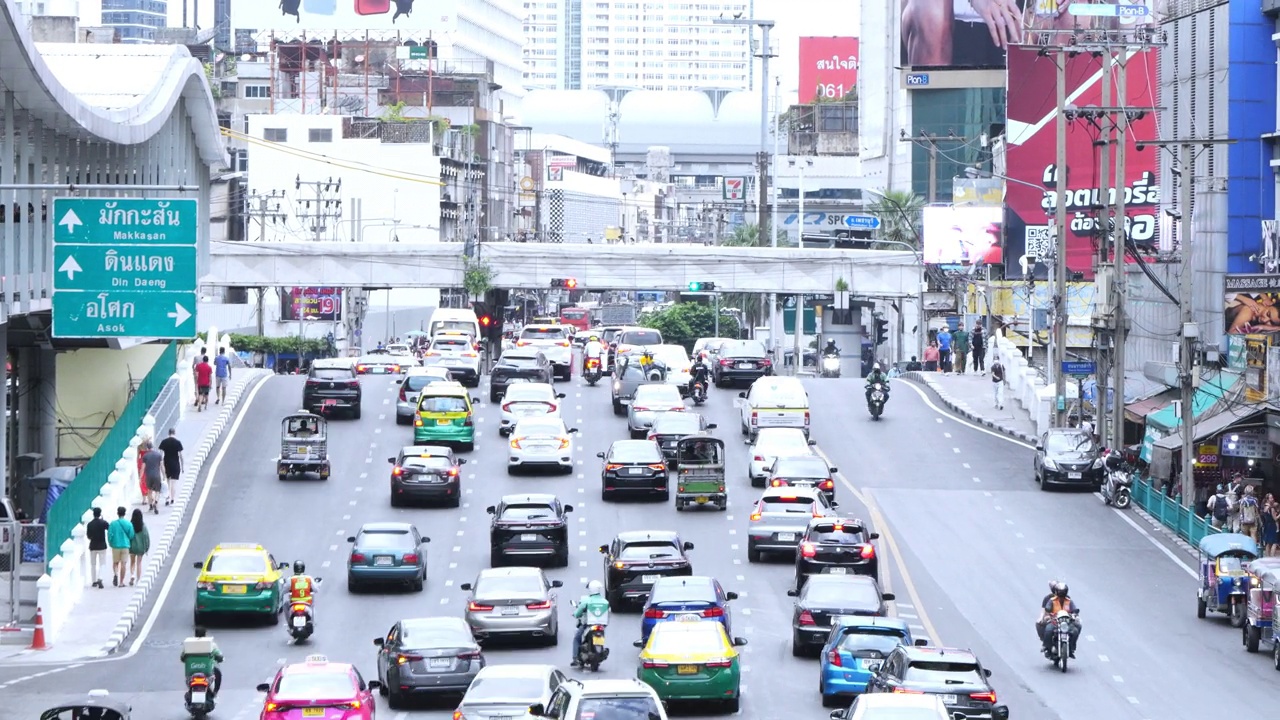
(444, 416)
(239, 578)
(692, 659)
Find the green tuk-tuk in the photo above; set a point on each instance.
(700, 473)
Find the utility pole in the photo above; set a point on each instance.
(1058, 304)
(328, 206)
(1119, 250)
(930, 141)
(263, 207)
(1106, 233)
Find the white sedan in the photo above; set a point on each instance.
(541, 442)
(678, 365)
(528, 400)
(773, 443)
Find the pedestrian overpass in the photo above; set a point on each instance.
(595, 267)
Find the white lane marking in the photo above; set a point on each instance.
(1040, 566)
(977, 480)
(461, 533)
(1104, 658)
(938, 419)
(582, 548)
(582, 563)
(1008, 522)
(746, 611)
(377, 430)
(368, 459)
(457, 548)
(955, 449)
(453, 565)
(386, 401)
(946, 434)
(448, 583)
(733, 547)
(1132, 700)
(383, 416)
(462, 519)
(332, 548)
(741, 578)
(353, 502)
(1018, 535)
(966, 466)
(340, 532)
(1090, 638)
(581, 519)
(364, 475)
(1117, 678)
(998, 508)
(444, 601)
(359, 488)
(582, 532)
(346, 517)
(913, 616)
(953, 418)
(324, 564)
(1031, 551)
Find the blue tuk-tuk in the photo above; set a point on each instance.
(1259, 621)
(1224, 582)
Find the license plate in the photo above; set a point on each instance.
(234, 589)
(865, 663)
(330, 402)
(948, 699)
(300, 622)
(305, 450)
(1074, 476)
(528, 537)
(649, 579)
(786, 537)
(635, 471)
(313, 712)
(444, 421)
(441, 663)
(838, 571)
(198, 697)
(877, 396)
(510, 611)
(702, 499)
(383, 561)
(598, 641)
(686, 669)
(744, 366)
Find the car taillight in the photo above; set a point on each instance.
(808, 550)
(515, 443)
(469, 354)
(827, 485)
(833, 657)
(725, 362)
(868, 551)
(806, 417)
(521, 343)
(474, 606)
(397, 471)
(766, 362)
(353, 384)
(983, 696)
(758, 458)
(592, 362)
(361, 368)
(904, 691)
(417, 422)
(611, 467)
(651, 436)
(205, 586)
(470, 655)
(806, 618)
(506, 407)
(395, 368)
(654, 614)
(640, 409)
(564, 443)
(468, 421)
(650, 664)
(402, 659)
(658, 466)
(353, 705)
(719, 664)
(273, 707)
(263, 586)
(200, 681)
(411, 557)
(552, 407)
(357, 557)
(563, 343)
(431, 353)
(755, 418)
(619, 565)
(403, 397)
(679, 408)
(453, 472)
(457, 715)
(544, 605)
(713, 612)
(778, 482)
(755, 517)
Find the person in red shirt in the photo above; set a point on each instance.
(204, 381)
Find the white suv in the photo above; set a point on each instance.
(458, 354)
(587, 699)
(555, 342)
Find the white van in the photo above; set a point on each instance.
(457, 320)
(774, 402)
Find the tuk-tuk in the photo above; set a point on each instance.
(1264, 581)
(97, 706)
(700, 473)
(304, 446)
(1224, 584)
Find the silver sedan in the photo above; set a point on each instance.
(512, 602)
(503, 692)
(781, 516)
(650, 400)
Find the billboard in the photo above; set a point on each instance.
(330, 15)
(828, 68)
(952, 34)
(1252, 304)
(312, 303)
(960, 235)
(1030, 196)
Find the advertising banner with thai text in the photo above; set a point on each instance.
(312, 303)
(828, 68)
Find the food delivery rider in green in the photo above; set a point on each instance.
(200, 655)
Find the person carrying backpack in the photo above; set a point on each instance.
(1219, 508)
(1249, 514)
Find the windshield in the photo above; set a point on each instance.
(944, 673)
(662, 394)
(509, 585)
(848, 535)
(431, 463)
(639, 707)
(1069, 443)
(573, 314)
(415, 383)
(649, 551)
(787, 504)
(530, 391)
(1230, 564)
(452, 343)
(811, 467)
(672, 356)
(775, 441)
(633, 372)
(520, 361)
(743, 349)
(445, 403)
(331, 374)
(312, 685)
(503, 689)
(840, 593)
(640, 337)
(236, 564)
(532, 427)
(544, 333)
(871, 642)
(385, 540)
(683, 643)
(517, 513)
(462, 326)
(677, 424)
(637, 452)
(434, 634)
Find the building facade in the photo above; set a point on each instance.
(655, 45)
(135, 21)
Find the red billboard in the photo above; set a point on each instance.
(1030, 194)
(828, 68)
(312, 303)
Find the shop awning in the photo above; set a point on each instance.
(1137, 412)
(1206, 399)
(1162, 451)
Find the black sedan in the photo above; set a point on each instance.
(529, 527)
(426, 472)
(953, 674)
(1068, 456)
(668, 428)
(804, 471)
(835, 546)
(634, 467)
(824, 597)
(634, 561)
(524, 364)
(380, 363)
(741, 361)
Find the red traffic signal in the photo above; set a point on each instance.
(571, 283)
(485, 320)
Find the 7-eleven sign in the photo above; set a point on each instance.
(735, 188)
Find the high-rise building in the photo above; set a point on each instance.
(135, 21)
(222, 24)
(636, 44)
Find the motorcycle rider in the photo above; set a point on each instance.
(593, 609)
(701, 373)
(202, 662)
(302, 586)
(1058, 602)
(877, 375)
(593, 349)
(831, 350)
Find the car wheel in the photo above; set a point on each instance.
(636, 434)
(1044, 484)
(827, 700)
(394, 700)
(419, 582)
(731, 705)
(798, 649)
(197, 617)
(493, 397)
(495, 558)
(753, 555)
(352, 587)
(562, 558)
(619, 409)
(468, 446)
(454, 501)
(605, 494)
(356, 412)
(554, 638)
(395, 500)
(665, 496)
(512, 469)
(614, 598)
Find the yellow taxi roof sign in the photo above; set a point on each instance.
(238, 546)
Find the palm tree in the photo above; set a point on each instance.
(744, 236)
(899, 212)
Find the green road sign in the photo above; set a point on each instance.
(124, 313)
(128, 267)
(789, 320)
(119, 221)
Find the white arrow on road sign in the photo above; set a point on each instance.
(70, 220)
(70, 267)
(179, 315)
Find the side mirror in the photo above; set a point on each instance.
(921, 642)
(836, 715)
(739, 642)
(600, 455)
(638, 644)
(282, 566)
(537, 710)
(465, 587)
(379, 641)
(391, 460)
(374, 684)
(833, 471)
(199, 564)
(835, 504)
(351, 538)
(873, 536)
(560, 396)
(813, 442)
(475, 399)
(986, 672)
(731, 596)
(742, 395)
(711, 426)
(264, 687)
(688, 546)
(886, 597)
(463, 461)
(604, 549)
(568, 508)
(572, 430)
(492, 510)
(793, 593)
(557, 583)
(424, 540)
(1039, 447)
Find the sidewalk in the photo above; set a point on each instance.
(103, 619)
(970, 396)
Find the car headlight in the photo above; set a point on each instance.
(1049, 464)
(1097, 464)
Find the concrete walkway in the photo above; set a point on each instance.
(104, 618)
(970, 396)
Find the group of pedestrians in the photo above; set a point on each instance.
(1235, 507)
(206, 374)
(951, 352)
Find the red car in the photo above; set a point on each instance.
(319, 689)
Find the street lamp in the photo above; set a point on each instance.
(921, 330)
(799, 356)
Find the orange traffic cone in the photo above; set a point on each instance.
(37, 637)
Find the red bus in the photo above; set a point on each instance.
(579, 318)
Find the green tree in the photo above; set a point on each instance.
(683, 323)
(900, 214)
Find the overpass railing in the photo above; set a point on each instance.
(1171, 513)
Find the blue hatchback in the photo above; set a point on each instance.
(855, 643)
(672, 598)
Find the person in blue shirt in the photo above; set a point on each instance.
(222, 374)
(944, 349)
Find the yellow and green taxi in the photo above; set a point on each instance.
(692, 659)
(239, 578)
(445, 416)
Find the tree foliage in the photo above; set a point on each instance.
(683, 323)
(900, 214)
(277, 345)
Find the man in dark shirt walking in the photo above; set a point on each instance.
(96, 532)
(172, 449)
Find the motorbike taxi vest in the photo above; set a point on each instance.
(300, 588)
(1058, 605)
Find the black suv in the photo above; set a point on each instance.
(531, 526)
(634, 467)
(954, 675)
(743, 361)
(520, 364)
(634, 561)
(332, 384)
(834, 546)
(426, 472)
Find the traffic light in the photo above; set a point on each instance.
(696, 286)
(567, 283)
(486, 321)
(881, 330)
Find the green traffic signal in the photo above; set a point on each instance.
(695, 286)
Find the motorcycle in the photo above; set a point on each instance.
(199, 696)
(592, 651)
(876, 402)
(1060, 649)
(1117, 489)
(830, 366)
(302, 624)
(593, 372)
(699, 393)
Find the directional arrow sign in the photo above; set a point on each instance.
(124, 313)
(862, 222)
(125, 220)
(129, 267)
(70, 267)
(70, 221)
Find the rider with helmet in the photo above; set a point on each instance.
(877, 375)
(593, 609)
(831, 350)
(302, 586)
(200, 655)
(1057, 602)
(701, 372)
(593, 349)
